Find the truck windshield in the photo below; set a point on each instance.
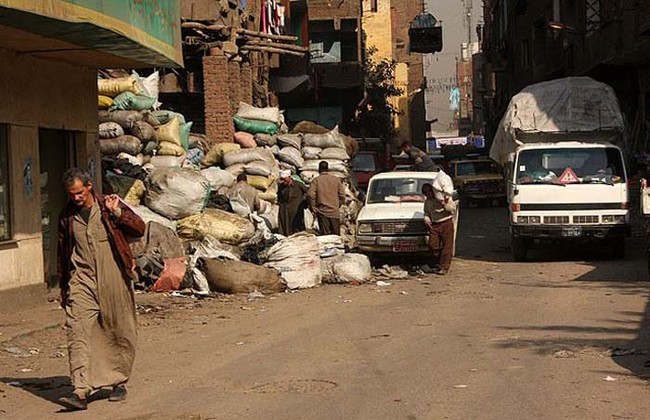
(364, 162)
(476, 168)
(396, 190)
(570, 166)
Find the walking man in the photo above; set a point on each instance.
(326, 195)
(291, 198)
(438, 217)
(420, 160)
(95, 274)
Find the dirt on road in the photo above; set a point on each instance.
(564, 335)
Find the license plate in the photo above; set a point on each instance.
(405, 247)
(572, 231)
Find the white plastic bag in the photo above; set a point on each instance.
(176, 192)
(334, 153)
(297, 258)
(352, 268)
(291, 156)
(271, 114)
(218, 177)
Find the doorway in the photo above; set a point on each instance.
(57, 153)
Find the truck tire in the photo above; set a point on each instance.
(618, 248)
(519, 249)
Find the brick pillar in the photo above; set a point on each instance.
(218, 118)
(247, 83)
(234, 85)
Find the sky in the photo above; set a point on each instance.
(440, 68)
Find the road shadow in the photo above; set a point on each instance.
(50, 388)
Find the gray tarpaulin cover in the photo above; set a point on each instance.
(572, 104)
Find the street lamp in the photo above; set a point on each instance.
(561, 27)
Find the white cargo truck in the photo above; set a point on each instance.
(560, 144)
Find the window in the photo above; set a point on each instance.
(373, 6)
(397, 190)
(592, 17)
(5, 226)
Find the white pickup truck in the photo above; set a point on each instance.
(392, 220)
(566, 176)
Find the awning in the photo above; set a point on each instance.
(98, 34)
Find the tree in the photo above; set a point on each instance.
(374, 115)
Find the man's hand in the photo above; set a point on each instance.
(113, 204)
(428, 224)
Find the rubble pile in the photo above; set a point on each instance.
(180, 181)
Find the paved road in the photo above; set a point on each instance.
(563, 336)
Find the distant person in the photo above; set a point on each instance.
(420, 160)
(291, 198)
(438, 218)
(95, 274)
(326, 195)
(247, 193)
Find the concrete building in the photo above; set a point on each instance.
(386, 24)
(49, 55)
(533, 41)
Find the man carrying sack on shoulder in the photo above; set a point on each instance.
(439, 211)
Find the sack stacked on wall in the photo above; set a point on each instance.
(177, 193)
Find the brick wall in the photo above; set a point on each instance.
(216, 95)
(246, 83)
(234, 86)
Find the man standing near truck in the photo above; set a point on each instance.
(420, 160)
(326, 195)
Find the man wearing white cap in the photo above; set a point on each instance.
(291, 198)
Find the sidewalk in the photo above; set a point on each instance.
(25, 310)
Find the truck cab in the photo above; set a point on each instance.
(569, 191)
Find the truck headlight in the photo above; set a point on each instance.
(529, 220)
(365, 228)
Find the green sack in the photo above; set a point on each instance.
(255, 126)
(165, 116)
(130, 101)
(186, 129)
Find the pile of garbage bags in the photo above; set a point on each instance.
(178, 182)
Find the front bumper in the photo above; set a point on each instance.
(570, 232)
(480, 196)
(393, 244)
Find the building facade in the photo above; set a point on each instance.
(49, 55)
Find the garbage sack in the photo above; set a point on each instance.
(351, 146)
(309, 127)
(271, 114)
(236, 169)
(129, 189)
(245, 140)
(328, 242)
(308, 176)
(247, 156)
(270, 194)
(165, 116)
(218, 151)
(334, 165)
(176, 192)
(290, 140)
(352, 268)
(443, 186)
(127, 144)
(260, 182)
(150, 119)
(198, 141)
(110, 130)
(104, 102)
(334, 153)
(311, 153)
(167, 161)
(113, 87)
(275, 150)
(208, 248)
(265, 139)
(170, 132)
(144, 131)
(227, 276)
(329, 139)
(148, 85)
(172, 275)
(167, 148)
(147, 215)
(130, 101)
(226, 227)
(261, 168)
(195, 156)
(137, 160)
(219, 201)
(297, 258)
(271, 215)
(291, 156)
(218, 177)
(160, 237)
(255, 126)
(123, 118)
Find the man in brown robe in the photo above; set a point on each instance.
(291, 198)
(438, 218)
(95, 273)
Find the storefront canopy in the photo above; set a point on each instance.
(95, 33)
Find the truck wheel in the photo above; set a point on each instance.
(618, 248)
(519, 249)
